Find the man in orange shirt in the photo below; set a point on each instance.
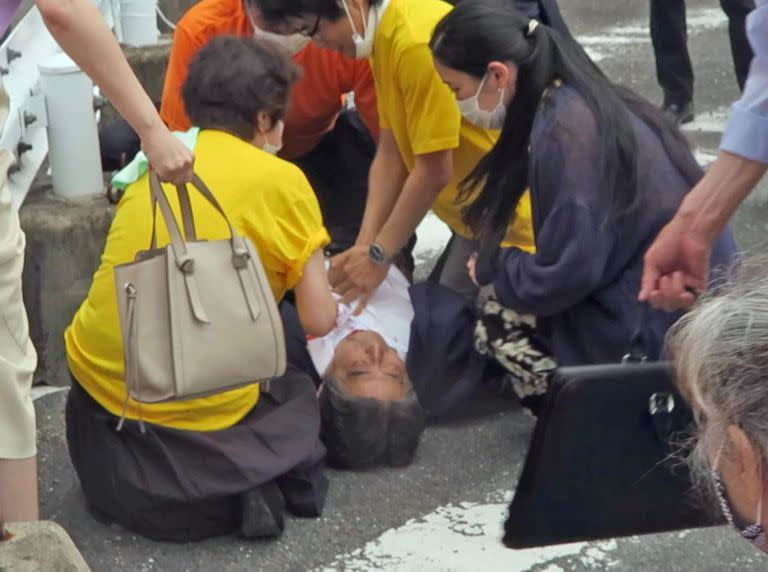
(332, 145)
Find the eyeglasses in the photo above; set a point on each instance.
(311, 32)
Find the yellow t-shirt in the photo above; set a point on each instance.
(267, 199)
(421, 110)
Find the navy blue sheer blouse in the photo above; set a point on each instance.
(583, 281)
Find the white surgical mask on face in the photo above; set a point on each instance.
(470, 109)
(293, 43)
(274, 148)
(364, 43)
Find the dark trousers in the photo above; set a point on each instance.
(669, 34)
(181, 486)
(338, 170)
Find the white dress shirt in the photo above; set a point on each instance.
(747, 131)
(389, 313)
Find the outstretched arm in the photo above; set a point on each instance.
(80, 30)
(677, 264)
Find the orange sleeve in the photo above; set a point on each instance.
(172, 105)
(365, 96)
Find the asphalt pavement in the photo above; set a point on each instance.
(444, 512)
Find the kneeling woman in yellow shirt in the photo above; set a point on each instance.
(211, 465)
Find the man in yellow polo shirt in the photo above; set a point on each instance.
(425, 147)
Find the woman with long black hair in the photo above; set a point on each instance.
(605, 170)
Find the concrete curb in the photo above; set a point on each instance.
(43, 545)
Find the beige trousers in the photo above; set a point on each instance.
(17, 355)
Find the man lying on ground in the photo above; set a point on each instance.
(409, 355)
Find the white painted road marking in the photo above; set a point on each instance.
(39, 391)
(463, 538)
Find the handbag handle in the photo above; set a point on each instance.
(158, 195)
(240, 253)
(190, 233)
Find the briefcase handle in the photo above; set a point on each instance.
(660, 404)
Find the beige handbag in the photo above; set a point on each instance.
(197, 317)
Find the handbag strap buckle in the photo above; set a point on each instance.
(186, 264)
(240, 258)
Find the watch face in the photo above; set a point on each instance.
(376, 254)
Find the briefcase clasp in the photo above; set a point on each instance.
(661, 402)
(629, 358)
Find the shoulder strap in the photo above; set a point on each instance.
(187, 219)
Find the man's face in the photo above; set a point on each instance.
(330, 34)
(294, 43)
(365, 366)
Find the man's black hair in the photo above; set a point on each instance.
(232, 79)
(362, 432)
(276, 12)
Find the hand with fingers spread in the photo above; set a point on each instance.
(676, 267)
(357, 276)
(339, 278)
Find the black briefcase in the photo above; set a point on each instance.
(604, 459)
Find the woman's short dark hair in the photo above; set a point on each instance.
(276, 12)
(362, 432)
(232, 79)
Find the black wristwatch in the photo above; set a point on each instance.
(377, 255)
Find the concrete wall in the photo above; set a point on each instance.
(64, 243)
(149, 64)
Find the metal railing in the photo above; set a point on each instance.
(41, 108)
(28, 44)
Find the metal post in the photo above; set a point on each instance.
(138, 22)
(73, 138)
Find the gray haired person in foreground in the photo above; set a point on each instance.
(721, 359)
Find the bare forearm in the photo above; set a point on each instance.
(317, 317)
(419, 192)
(314, 303)
(80, 30)
(385, 182)
(714, 200)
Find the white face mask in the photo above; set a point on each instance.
(364, 43)
(274, 148)
(470, 109)
(293, 43)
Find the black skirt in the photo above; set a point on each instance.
(175, 485)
